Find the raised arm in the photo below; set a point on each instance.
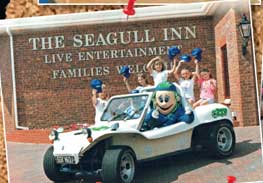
(174, 66)
(150, 63)
(94, 97)
(125, 80)
(106, 91)
(196, 73)
(176, 72)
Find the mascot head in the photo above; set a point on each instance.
(166, 98)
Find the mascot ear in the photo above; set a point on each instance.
(177, 97)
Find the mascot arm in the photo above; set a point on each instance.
(154, 119)
(179, 116)
(188, 118)
(183, 117)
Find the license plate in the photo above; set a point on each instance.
(65, 159)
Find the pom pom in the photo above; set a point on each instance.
(185, 58)
(173, 51)
(197, 53)
(96, 84)
(125, 71)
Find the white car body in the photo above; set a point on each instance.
(111, 148)
(145, 144)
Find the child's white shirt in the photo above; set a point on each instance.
(187, 86)
(100, 105)
(159, 77)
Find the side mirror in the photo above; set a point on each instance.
(115, 126)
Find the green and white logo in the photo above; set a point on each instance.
(219, 112)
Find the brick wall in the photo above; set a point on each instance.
(241, 75)
(43, 101)
(225, 34)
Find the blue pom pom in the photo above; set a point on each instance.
(125, 71)
(186, 58)
(173, 51)
(196, 52)
(96, 84)
(198, 57)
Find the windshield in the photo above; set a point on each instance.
(125, 108)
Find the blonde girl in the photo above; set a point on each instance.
(156, 68)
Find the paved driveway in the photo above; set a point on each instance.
(25, 164)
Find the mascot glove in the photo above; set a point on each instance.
(155, 114)
(188, 110)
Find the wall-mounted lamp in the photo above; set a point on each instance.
(245, 30)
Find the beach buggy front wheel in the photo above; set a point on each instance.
(222, 140)
(51, 168)
(118, 166)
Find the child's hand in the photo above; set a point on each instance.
(196, 61)
(155, 114)
(104, 88)
(180, 62)
(94, 91)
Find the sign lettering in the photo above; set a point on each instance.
(134, 39)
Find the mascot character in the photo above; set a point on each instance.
(167, 108)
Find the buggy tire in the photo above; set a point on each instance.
(222, 140)
(118, 165)
(51, 168)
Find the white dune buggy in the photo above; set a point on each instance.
(112, 148)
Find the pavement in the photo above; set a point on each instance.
(25, 164)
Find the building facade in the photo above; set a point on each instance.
(47, 63)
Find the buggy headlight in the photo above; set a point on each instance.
(53, 135)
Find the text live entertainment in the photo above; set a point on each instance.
(112, 45)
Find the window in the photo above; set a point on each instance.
(225, 72)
